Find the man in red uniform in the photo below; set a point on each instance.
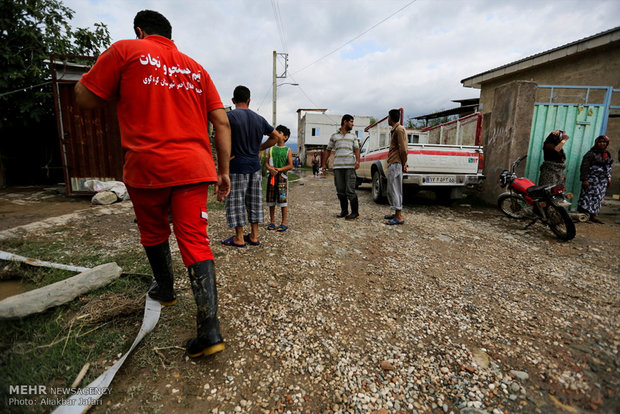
(164, 99)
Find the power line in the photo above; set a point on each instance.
(284, 41)
(24, 89)
(358, 36)
(312, 102)
(279, 23)
(264, 97)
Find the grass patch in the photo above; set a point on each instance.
(50, 348)
(131, 261)
(35, 276)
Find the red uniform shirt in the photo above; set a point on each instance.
(163, 100)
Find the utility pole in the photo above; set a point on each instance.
(275, 80)
(275, 90)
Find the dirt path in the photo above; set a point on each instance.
(458, 309)
(25, 205)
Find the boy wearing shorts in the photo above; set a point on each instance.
(279, 161)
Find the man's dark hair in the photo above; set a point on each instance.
(394, 115)
(241, 94)
(153, 23)
(346, 118)
(284, 130)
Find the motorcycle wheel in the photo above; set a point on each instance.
(513, 206)
(559, 222)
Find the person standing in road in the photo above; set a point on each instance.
(279, 161)
(246, 193)
(163, 100)
(316, 160)
(346, 160)
(397, 164)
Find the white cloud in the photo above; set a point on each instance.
(414, 60)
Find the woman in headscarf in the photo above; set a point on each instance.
(552, 169)
(595, 176)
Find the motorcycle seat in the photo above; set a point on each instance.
(535, 189)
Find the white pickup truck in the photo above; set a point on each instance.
(445, 159)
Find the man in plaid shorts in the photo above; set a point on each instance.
(247, 131)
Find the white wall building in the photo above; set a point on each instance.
(314, 130)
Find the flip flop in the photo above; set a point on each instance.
(389, 216)
(282, 227)
(249, 241)
(394, 222)
(271, 226)
(231, 242)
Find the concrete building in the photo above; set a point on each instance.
(315, 128)
(574, 87)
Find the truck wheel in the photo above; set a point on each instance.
(377, 188)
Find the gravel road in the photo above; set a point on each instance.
(460, 310)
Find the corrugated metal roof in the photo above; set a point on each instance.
(578, 46)
(459, 110)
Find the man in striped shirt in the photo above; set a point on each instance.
(346, 160)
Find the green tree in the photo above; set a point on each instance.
(30, 31)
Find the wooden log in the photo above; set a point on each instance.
(58, 293)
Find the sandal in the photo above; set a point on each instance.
(249, 241)
(231, 242)
(394, 222)
(271, 226)
(282, 227)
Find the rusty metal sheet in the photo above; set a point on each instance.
(90, 141)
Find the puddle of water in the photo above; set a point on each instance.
(13, 287)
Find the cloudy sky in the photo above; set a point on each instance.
(357, 56)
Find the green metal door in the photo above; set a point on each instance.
(582, 122)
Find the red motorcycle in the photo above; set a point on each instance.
(526, 200)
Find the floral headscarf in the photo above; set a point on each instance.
(598, 139)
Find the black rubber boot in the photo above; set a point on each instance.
(162, 286)
(209, 340)
(354, 210)
(344, 207)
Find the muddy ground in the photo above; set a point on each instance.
(459, 310)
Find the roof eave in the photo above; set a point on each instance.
(580, 46)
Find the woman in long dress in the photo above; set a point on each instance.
(595, 176)
(552, 169)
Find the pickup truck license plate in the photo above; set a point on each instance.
(440, 179)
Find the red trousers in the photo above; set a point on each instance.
(187, 206)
